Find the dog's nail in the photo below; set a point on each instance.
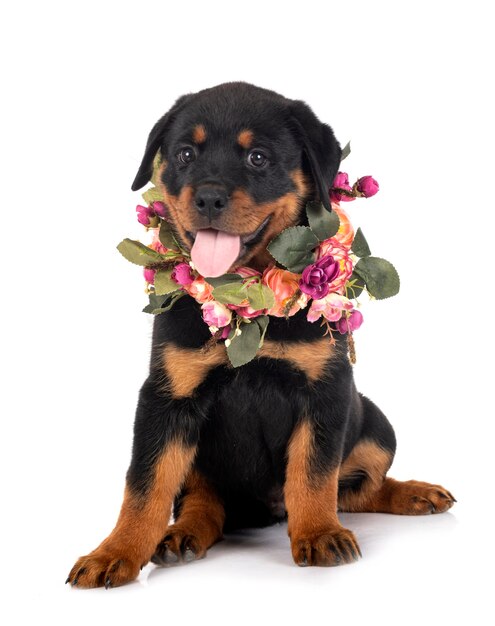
(108, 583)
(189, 555)
(68, 579)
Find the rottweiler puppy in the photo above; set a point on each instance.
(287, 434)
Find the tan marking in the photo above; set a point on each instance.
(201, 516)
(245, 138)
(186, 368)
(369, 457)
(199, 133)
(141, 523)
(310, 357)
(311, 506)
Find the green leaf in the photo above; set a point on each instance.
(230, 293)
(152, 194)
(346, 151)
(293, 248)
(354, 286)
(323, 223)
(160, 304)
(260, 296)
(166, 236)
(164, 283)
(360, 245)
(138, 253)
(243, 347)
(380, 276)
(262, 322)
(224, 279)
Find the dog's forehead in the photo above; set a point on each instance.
(233, 118)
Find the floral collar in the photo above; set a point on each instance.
(323, 268)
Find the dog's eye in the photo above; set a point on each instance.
(257, 158)
(186, 155)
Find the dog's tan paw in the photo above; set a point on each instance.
(419, 498)
(103, 568)
(332, 547)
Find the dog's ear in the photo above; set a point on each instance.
(155, 140)
(321, 148)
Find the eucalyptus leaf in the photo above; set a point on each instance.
(243, 347)
(224, 280)
(138, 253)
(164, 283)
(346, 151)
(260, 296)
(293, 248)
(230, 293)
(323, 223)
(166, 236)
(153, 194)
(360, 245)
(381, 277)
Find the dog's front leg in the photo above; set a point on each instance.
(311, 483)
(165, 437)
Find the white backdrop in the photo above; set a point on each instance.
(82, 85)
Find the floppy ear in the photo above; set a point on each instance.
(320, 146)
(155, 139)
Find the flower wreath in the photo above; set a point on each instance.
(323, 267)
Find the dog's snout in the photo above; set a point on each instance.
(211, 200)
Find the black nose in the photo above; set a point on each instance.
(211, 200)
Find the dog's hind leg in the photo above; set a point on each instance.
(363, 484)
(199, 519)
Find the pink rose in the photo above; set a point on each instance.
(341, 183)
(246, 311)
(149, 275)
(159, 209)
(351, 323)
(216, 315)
(156, 244)
(331, 307)
(367, 186)
(182, 274)
(332, 247)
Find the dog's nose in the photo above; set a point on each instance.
(211, 200)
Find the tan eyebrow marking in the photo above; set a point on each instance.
(245, 138)
(199, 133)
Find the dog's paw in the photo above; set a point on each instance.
(178, 545)
(419, 498)
(103, 568)
(332, 547)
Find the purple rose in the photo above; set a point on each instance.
(351, 323)
(341, 183)
(315, 278)
(182, 274)
(367, 186)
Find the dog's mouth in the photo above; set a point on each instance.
(214, 251)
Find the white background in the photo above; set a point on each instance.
(82, 84)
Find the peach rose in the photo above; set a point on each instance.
(345, 234)
(200, 290)
(340, 253)
(284, 285)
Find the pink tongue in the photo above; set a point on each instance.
(214, 251)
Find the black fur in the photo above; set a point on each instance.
(242, 419)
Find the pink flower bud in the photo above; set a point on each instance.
(159, 208)
(149, 275)
(351, 323)
(368, 186)
(341, 182)
(182, 274)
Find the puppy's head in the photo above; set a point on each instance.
(237, 165)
